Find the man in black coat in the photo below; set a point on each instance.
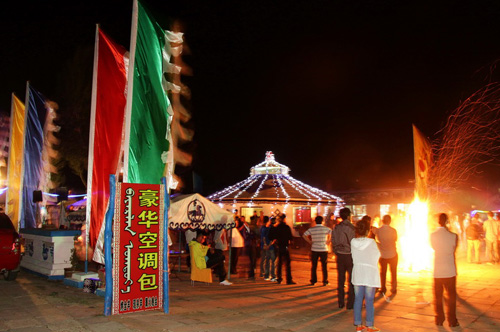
(281, 236)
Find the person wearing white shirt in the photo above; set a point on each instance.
(491, 237)
(236, 245)
(444, 244)
(365, 275)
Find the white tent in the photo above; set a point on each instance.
(196, 212)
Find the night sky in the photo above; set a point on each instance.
(331, 87)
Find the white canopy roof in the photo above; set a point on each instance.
(196, 212)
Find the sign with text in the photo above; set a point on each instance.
(138, 248)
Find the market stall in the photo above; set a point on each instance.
(195, 212)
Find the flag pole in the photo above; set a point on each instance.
(90, 166)
(10, 147)
(166, 296)
(130, 90)
(26, 107)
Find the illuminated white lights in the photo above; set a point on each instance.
(269, 166)
(260, 187)
(270, 183)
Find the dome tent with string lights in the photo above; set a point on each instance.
(272, 190)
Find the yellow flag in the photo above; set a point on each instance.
(14, 168)
(423, 158)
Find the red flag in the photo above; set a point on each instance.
(423, 158)
(106, 127)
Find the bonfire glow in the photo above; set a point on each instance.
(416, 251)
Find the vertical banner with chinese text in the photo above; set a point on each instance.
(138, 248)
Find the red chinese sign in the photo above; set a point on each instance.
(138, 248)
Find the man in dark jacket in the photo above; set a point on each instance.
(250, 246)
(342, 235)
(280, 236)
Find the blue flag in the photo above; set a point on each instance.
(36, 113)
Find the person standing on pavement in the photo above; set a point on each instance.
(386, 238)
(473, 233)
(342, 235)
(268, 256)
(445, 244)
(490, 227)
(281, 237)
(254, 220)
(365, 275)
(250, 249)
(236, 245)
(220, 239)
(319, 237)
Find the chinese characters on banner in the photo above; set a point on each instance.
(138, 248)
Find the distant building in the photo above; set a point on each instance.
(393, 201)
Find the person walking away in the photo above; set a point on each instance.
(473, 241)
(445, 244)
(490, 227)
(386, 238)
(365, 275)
(268, 256)
(281, 237)
(342, 235)
(319, 237)
(236, 245)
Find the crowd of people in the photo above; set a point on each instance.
(267, 238)
(363, 254)
(476, 232)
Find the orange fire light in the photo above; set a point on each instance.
(415, 248)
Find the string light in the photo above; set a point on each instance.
(276, 176)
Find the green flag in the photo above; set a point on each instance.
(148, 110)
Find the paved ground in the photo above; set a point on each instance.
(32, 303)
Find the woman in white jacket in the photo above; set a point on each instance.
(365, 274)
